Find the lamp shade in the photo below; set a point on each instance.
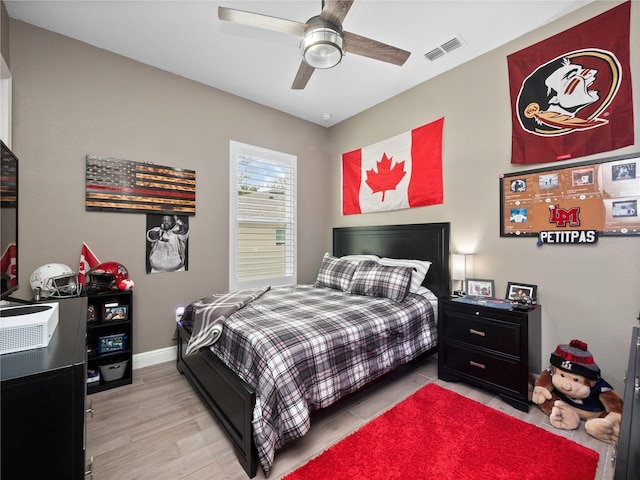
(322, 47)
(458, 266)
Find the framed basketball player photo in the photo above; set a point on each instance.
(167, 243)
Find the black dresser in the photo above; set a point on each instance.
(628, 454)
(492, 348)
(43, 403)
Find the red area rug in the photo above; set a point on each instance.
(438, 434)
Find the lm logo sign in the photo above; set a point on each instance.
(562, 216)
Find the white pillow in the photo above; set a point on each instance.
(360, 258)
(432, 299)
(428, 294)
(420, 269)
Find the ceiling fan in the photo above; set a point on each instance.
(323, 41)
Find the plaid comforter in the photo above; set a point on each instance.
(303, 348)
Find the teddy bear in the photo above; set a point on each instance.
(571, 390)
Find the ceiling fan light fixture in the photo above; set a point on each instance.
(322, 47)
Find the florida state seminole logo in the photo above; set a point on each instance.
(569, 93)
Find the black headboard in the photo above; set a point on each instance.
(423, 241)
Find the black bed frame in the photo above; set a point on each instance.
(231, 400)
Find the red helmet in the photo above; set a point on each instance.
(108, 277)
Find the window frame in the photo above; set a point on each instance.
(237, 149)
(6, 104)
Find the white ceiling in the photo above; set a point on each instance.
(186, 38)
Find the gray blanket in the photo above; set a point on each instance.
(209, 314)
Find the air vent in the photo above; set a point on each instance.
(451, 45)
(435, 53)
(444, 48)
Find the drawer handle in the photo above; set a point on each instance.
(476, 364)
(477, 332)
(89, 469)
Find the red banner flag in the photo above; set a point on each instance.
(87, 261)
(8, 264)
(401, 172)
(571, 94)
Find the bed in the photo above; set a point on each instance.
(232, 400)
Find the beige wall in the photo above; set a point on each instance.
(587, 292)
(72, 99)
(4, 33)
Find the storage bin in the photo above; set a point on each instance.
(113, 371)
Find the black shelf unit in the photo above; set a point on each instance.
(98, 327)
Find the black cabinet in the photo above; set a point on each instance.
(628, 454)
(492, 348)
(109, 320)
(43, 403)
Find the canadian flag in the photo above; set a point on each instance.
(8, 264)
(87, 261)
(404, 171)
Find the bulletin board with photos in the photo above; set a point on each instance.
(598, 195)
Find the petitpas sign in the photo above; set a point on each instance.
(568, 236)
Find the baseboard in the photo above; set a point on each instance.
(154, 357)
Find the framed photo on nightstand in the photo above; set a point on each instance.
(521, 291)
(480, 288)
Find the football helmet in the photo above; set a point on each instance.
(107, 277)
(55, 280)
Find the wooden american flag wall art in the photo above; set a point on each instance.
(137, 187)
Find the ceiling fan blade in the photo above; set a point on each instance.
(334, 11)
(367, 47)
(303, 76)
(261, 21)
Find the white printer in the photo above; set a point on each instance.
(25, 327)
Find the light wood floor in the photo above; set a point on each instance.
(157, 428)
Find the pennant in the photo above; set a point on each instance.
(571, 94)
(87, 261)
(404, 171)
(8, 264)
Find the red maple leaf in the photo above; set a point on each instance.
(386, 178)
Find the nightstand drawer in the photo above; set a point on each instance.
(483, 332)
(499, 371)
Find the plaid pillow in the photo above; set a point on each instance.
(335, 273)
(420, 270)
(375, 280)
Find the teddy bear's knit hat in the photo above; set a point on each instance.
(575, 358)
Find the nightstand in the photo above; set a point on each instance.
(491, 348)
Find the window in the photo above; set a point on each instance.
(262, 221)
